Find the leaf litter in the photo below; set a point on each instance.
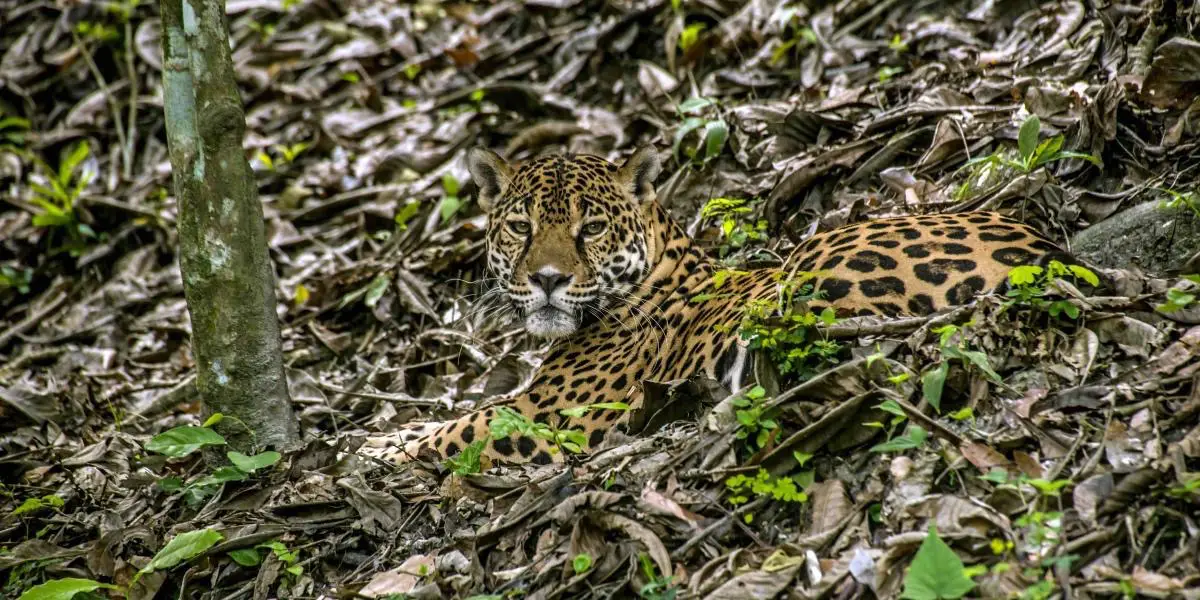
(1049, 446)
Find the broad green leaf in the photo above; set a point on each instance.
(915, 439)
(893, 407)
(247, 557)
(182, 441)
(1047, 151)
(574, 412)
(449, 207)
(715, 134)
(63, 589)
(182, 547)
(936, 572)
(933, 383)
(1024, 275)
(450, 184)
(1085, 274)
(689, 125)
(1027, 137)
(220, 476)
(250, 464)
(695, 103)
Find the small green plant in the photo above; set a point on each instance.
(1033, 155)
(690, 35)
(1029, 285)
(755, 421)
(897, 44)
(12, 278)
(182, 441)
(712, 130)
(886, 73)
(57, 202)
(286, 155)
(508, 421)
(469, 460)
(763, 485)
(251, 557)
(785, 329)
(795, 35)
(33, 505)
(660, 587)
(736, 232)
(1176, 200)
(936, 572)
(933, 382)
(1179, 299)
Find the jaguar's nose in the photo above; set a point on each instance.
(550, 280)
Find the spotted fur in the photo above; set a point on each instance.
(585, 255)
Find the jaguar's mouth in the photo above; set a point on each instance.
(551, 322)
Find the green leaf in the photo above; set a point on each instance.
(1027, 137)
(378, 286)
(694, 104)
(915, 439)
(467, 462)
(1047, 151)
(1085, 274)
(247, 557)
(715, 134)
(933, 383)
(450, 184)
(406, 213)
(936, 572)
(1024, 275)
(250, 464)
(213, 419)
(1092, 158)
(574, 412)
(449, 207)
(689, 125)
(220, 476)
(182, 547)
(610, 406)
(78, 154)
(63, 589)
(582, 563)
(182, 441)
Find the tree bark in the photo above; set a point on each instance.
(228, 278)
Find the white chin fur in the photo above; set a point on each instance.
(549, 322)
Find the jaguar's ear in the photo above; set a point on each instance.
(490, 173)
(640, 171)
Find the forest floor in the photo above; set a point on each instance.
(1039, 446)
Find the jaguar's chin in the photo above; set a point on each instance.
(551, 323)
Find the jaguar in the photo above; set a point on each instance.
(581, 252)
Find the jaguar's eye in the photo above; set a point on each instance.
(519, 227)
(594, 228)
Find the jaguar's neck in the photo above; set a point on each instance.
(677, 261)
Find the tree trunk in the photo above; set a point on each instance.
(227, 275)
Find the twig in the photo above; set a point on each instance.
(108, 97)
(32, 320)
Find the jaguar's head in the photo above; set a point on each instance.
(568, 236)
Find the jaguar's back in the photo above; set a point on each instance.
(581, 252)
